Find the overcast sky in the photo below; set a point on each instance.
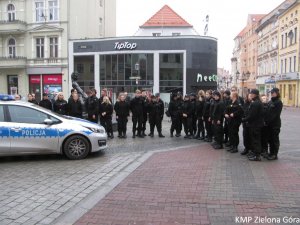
(227, 18)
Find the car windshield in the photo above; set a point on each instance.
(49, 111)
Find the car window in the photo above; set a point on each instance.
(20, 114)
(1, 113)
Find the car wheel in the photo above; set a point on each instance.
(76, 147)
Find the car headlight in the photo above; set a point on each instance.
(96, 130)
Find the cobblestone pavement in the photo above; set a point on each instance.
(42, 189)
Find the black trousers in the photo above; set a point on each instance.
(194, 122)
(188, 125)
(107, 124)
(274, 140)
(144, 122)
(90, 118)
(218, 133)
(176, 125)
(155, 122)
(233, 132)
(122, 124)
(137, 125)
(246, 137)
(200, 127)
(255, 138)
(226, 129)
(208, 128)
(265, 138)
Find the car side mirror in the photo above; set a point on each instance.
(48, 122)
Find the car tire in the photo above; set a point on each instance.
(76, 147)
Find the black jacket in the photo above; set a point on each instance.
(137, 106)
(237, 110)
(274, 111)
(92, 105)
(175, 108)
(122, 109)
(218, 111)
(199, 109)
(33, 101)
(108, 109)
(255, 114)
(187, 108)
(156, 110)
(206, 107)
(46, 103)
(75, 108)
(60, 106)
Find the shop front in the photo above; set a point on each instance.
(156, 64)
(288, 85)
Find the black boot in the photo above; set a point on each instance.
(160, 135)
(119, 134)
(234, 149)
(112, 135)
(197, 136)
(255, 158)
(244, 152)
(272, 157)
(151, 135)
(133, 135)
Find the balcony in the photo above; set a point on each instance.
(12, 27)
(12, 62)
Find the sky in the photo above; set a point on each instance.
(227, 18)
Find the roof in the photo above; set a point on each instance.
(256, 17)
(166, 17)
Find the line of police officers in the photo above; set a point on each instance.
(209, 116)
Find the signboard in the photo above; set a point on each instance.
(206, 78)
(35, 79)
(125, 45)
(52, 79)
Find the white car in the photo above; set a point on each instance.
(26, 128)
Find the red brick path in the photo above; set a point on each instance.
(200, 186)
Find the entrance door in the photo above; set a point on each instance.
(12, 84)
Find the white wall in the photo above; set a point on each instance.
(165, 31)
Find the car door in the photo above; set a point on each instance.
(4, 133)
(29, 133)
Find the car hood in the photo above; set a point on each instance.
(82, 122)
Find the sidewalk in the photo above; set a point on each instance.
(200, 185)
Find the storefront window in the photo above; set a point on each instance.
(35, 86)
(84, 65)
(12, 84)
(171, 73)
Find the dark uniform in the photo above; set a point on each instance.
(100, 102)
(199, 115)
(122, 112)
(206, 116)
(255, 122)
(106, 120)
(227, 102)
(60, 107)
(92, 108)
(33, 101)
(46, 103)
(156, 114)
(175, 110)
(137, 109)
(194, 119)
(145, 115)
(234, 123)
(217, 118)
(246, 130)
(75, 108)
(264, 132)
(187, 108)
(274, 124)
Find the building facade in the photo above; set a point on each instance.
(287, 79)
(34, 37)
(236, 60)
(166, 56)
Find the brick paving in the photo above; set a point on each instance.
(200, 185)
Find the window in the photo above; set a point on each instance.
(12, 84)
(295, 70)
(101, 3)
(100, 26)
(39, 11)
(12, 48)
(20, 114)
(290, 92)
(53, 10)
(281, 66)
(156, 34)
(285, 65)
(282, 38)
(1, 113)
(40, 47)
(286, 38)
(11, 12)
(92, 68)
(290, 64)
(80, 68)
(165, 58)
(284, 90)
(295, 34)
(53, 47)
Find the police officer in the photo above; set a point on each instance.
(75, 106)
(31, 99)
(254, 119)
(246, 129)
(46, 103)
(92, 106)
(156, 113)
(145, 111)
(106, 111)
(194, 119)
(206, 116)
(187, 117)
(122, 108)
(264, 132)
(199, 115)
(217, 118)
(137, 109)
(175, 110)
(60, 105)
(227, 102)
(274, 123)
(233, 115)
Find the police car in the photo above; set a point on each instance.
(26, 128)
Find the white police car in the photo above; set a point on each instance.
(26, 128)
